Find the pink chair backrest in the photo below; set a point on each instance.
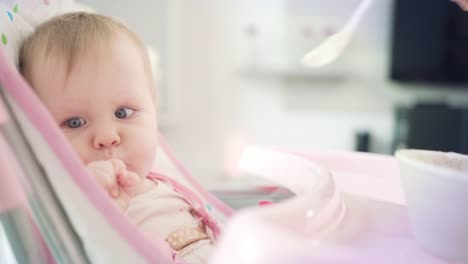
(11, 193)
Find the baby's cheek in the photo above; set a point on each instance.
(145, 157)
(81, 148)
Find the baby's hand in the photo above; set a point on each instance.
(115, 178)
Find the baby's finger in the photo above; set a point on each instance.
(114, 190)
(119, 166)
(123, 176)
(128, 179)
(103, 174)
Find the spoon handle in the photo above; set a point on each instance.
(357, 15)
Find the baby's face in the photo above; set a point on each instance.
(104, 105)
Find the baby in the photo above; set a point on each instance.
(94, 76)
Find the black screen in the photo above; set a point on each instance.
(429, 43)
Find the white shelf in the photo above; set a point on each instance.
(295, 73)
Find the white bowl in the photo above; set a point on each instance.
(436, 189)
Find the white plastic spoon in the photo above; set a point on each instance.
(333, 46)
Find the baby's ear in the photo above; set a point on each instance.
(153, 57)
(156, 75)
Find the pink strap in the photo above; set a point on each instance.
(3, 114)
(193, 200)
(11, 193)
(209, 197)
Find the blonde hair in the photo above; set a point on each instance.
(71, 34)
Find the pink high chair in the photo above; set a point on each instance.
(347, 207)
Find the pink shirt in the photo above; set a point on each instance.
(168, 207)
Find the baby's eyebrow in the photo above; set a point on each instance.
(126, 98)
(59, 118)
(65, 111)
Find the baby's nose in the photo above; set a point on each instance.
(106, 139)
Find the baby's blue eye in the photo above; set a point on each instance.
(75, 122)
(124, 113)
